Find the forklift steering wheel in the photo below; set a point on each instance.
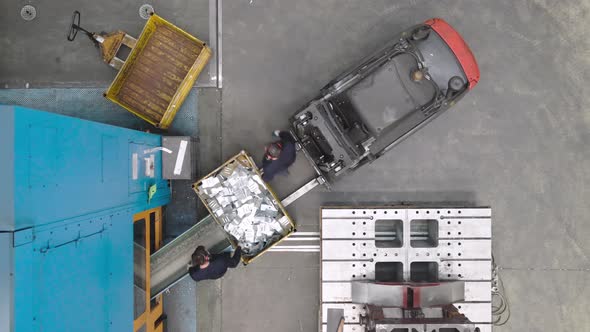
(74, 27)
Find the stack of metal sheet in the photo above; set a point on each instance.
(239, 199)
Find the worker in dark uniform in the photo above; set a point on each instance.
(206, 266)
(279, 155)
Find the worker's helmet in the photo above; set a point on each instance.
(273, 150)
(199, 256)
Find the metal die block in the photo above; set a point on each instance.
(475, 291)
(378, 294)
(439, 294)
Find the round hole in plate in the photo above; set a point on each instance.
(364, 233)
(448, 275)
(447, 264)
(459, 254)
(448, 233)
(364, 255)
(416, 212)
(459, 212)
(385, 254)
(353, 265)
(354, 223)
(449, 254)
(364, 244)
(459, 243)
(395, 212)
(459, 233)
(374, 254)
(353, 233)
(364, 212)
(438, 254)
(354, 275)
(353, 212)
(353, 255)
(459, 222)
(374, 212)
(384, 212)
(459, 264)
(364, 222)
(438, 212)
(460, 276)
(364, 275)
(449, 243)
(364, 265)
(448, 222)
(449, 212)
(353, 307)
(354, 244)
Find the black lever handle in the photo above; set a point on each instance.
(75, 27)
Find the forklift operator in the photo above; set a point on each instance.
(206, 266)
(278, 156)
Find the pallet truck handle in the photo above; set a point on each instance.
(75, 27)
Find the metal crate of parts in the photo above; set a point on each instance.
(242, 160)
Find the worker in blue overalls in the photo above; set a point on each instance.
(279, 155)
(206, 266)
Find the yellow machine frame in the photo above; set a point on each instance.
(150, 318)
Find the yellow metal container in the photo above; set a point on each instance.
(245, 160)
(159, 72)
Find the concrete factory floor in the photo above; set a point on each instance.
(518, 142)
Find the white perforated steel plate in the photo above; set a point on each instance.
(458, 240)
(359, 328)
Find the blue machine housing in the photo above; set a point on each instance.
(70, 190)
